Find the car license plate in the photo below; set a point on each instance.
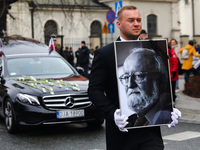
(70, 113)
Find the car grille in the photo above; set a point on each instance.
(69, 101)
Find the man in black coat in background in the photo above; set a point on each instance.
(103, 91)
(83, 58)
(71, 56)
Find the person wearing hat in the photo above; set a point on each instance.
(143, 35)
(83, 58)
(57, 46)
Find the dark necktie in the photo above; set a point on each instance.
(134, 120)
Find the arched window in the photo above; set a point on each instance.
(152, 25)
(50, 28)
(95, 29)
(95, 34)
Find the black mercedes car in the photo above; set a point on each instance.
(39, 87)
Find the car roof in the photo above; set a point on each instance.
(24, 46)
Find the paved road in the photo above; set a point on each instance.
(185, 136)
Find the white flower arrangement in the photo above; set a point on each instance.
(46, 84)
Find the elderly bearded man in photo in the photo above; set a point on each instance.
(145, 81)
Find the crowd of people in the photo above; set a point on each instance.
(81, 59)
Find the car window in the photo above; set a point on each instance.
(38, 66)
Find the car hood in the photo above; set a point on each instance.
(33, 86)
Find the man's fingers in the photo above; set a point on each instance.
(174, 115)
(120, 121)
(177, 112)
(175, 121)
(117, 112)
(123, 129)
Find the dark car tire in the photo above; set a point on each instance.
(95, 123)
(9, 116)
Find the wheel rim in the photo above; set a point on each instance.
(8, 115)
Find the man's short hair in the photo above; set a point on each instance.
(191, 42)
(125, 8)
(83, 42)
(143, 31)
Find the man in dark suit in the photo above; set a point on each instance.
(103, 91)
(83, 58)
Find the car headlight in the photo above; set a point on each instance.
(24, 98)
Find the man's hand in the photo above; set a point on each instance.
(176, 114)
(120, 121)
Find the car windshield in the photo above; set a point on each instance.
(39, 67)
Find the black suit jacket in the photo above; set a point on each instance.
(103, 91)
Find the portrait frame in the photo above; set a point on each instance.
(164, 103)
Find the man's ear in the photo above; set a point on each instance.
(118, 24)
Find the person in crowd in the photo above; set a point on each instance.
(57, 46)
(174, 45)
(77, 55)
(143, 35)
(173, 64)
(66, 53)
(83, 58)
(97, 47)
(146, 95)
(91, 57)
(103, 91)
(197, 47)
(187, 63)
(71, 56)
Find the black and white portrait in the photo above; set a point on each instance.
(143, 82)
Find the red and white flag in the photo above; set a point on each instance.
(51, 45)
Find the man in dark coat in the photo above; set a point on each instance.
(71, 56)
(66, 53)
(83, 58)
(103, 91)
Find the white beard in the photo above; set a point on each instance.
(139, 101)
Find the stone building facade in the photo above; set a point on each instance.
(76, 20)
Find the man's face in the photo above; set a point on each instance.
(82, 44)
(141, 85)
(143, 36)
(54, 42)
(130, 24)
(173, 42)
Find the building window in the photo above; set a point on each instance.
(151, 25)
(95, 28)
(186, 2)
(50, 28)
(95, 34)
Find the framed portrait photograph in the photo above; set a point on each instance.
(144, 85)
